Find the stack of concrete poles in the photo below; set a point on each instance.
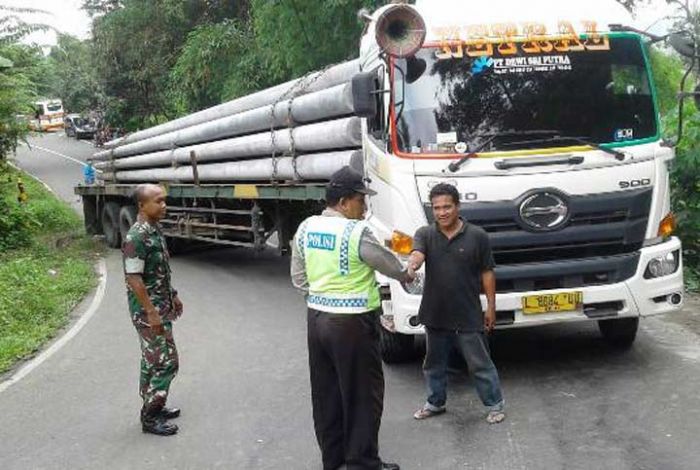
(300, 130)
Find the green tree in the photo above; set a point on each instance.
(298, 36)
(218, 62)
(14, 25)
(134, 49)
(18, 66)
(100, 7)
(16, 97)
(136, 45)
(31, 62)
(74, 77)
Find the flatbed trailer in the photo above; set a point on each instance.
(243, 215)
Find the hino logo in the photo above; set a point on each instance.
(544, 211)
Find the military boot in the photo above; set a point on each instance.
(169, 413)
(153, 423)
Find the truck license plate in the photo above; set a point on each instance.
(550, 303)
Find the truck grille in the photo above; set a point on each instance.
(598, 244)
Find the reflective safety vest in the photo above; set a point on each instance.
(339, 281)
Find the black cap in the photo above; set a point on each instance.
(348, 179)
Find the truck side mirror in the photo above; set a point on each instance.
(682, 44)
(364, 94)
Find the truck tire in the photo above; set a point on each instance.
(92, 216)
(396, 347)
(127, 218)
(110, 224)
(619, 332)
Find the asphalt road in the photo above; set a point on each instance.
(572, 402)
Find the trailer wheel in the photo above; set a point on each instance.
(396, 347)
(619, 332)
(110, 224)
(92, 216)
(127, 218)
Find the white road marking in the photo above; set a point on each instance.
(70, 334)
(53, 152)
(58, 154)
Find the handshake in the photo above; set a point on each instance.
(415, 261)
(410, 274)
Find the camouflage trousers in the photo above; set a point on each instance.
(159, 366)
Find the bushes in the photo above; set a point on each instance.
(45, 266)
(685, 178)
(685, 174)
(16, 226)
(40, 215)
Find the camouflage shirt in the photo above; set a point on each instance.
(145, 252)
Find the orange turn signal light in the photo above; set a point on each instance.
(667, 225)
(401, 243)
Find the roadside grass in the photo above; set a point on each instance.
(46, 266)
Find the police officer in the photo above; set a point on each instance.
(334, 257)
(154, 305)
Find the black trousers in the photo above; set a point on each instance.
(347, 388)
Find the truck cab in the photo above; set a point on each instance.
(545, 118)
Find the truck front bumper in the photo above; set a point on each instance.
(637, 296)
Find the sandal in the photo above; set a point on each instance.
(426, 412)
(495, 417)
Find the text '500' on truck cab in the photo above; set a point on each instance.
(544, 116)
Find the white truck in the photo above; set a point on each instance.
(542, 114)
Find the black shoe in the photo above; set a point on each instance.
(169, 413)
(390, 466)
(158, 427)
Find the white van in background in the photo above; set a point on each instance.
(48, 116)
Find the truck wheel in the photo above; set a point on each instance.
(127, 218)
(110, 224)
(93, 219)
(396, 347)
(619, 332)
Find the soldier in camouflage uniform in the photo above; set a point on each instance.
(154, 305)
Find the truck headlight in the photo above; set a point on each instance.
(663, 265)
(415, 287)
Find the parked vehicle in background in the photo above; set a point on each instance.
(79, 127)
(48, 116)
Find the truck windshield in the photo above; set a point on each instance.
(451, 105)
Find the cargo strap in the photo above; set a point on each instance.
(296, 90)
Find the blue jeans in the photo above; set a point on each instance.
(475, 348)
